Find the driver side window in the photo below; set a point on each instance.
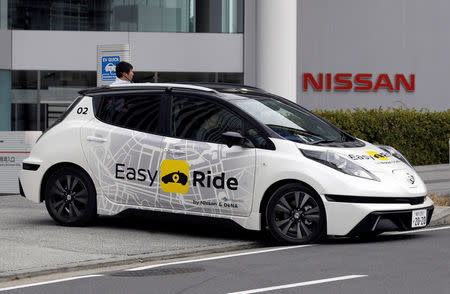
(201, 120)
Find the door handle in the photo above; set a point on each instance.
(175, 150)
(96, 139)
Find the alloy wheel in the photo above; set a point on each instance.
(295, 215)
(68, 198)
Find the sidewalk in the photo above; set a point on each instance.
(32, 244)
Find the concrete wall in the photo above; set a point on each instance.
(250, 42)
(276, 50)
(383, 36)
(72, 50)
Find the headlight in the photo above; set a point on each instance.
(392, 151)
(339, 163)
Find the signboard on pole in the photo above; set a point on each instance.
(108, 56)
(109, 67)
(14, 148)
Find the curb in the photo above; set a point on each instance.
(135, 259)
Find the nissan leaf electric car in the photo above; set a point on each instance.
(222, 151)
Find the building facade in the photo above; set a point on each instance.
(321, 54)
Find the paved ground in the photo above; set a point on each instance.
(415, 262)
(33, 245)
(31, 242)
(436, 177)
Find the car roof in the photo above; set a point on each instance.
(203, 87)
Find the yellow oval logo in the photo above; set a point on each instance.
(377, 155)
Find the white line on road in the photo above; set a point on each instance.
(299, 284)
(217, 257)
(417, 231)
(48, 282)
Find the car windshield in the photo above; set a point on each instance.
(290, 121)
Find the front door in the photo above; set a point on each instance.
(199, 173)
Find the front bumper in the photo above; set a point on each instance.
(345, 218)
(384, 221)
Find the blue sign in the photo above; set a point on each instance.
(109, 67)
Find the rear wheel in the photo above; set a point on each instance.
(295, 215)
(70, 197)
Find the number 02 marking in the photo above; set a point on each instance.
(82, 110)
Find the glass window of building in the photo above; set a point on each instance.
(3, 14)
(53, 86)
(54, 92)
(209, 16)
(230, 77)
(57, 89)
(144, 77)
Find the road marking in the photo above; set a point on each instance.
(416, 231)
(217, 257)
(48, 282)
(299, 284)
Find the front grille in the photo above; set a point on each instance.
(369, 199)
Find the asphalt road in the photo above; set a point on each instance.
(413, 262)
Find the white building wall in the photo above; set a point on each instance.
(276, 47)
(178, 52)
(383, 36)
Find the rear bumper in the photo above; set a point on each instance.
(384, 221)
(30, 183)
(21, 189)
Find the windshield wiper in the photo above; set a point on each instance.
(324, 141)
(293, 130)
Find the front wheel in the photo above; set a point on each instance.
(70, 197)
(295, 215)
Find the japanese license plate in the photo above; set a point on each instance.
(419, 218)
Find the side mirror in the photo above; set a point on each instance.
(234, 138)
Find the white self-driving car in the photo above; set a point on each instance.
(223, 151)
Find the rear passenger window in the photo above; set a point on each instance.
(136, 112)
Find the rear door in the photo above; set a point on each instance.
(123, 147)
(199, 172)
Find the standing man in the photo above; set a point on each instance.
(124, 73)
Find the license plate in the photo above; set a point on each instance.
(419, 218)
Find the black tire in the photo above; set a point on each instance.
(295, 215)
(70, 197)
